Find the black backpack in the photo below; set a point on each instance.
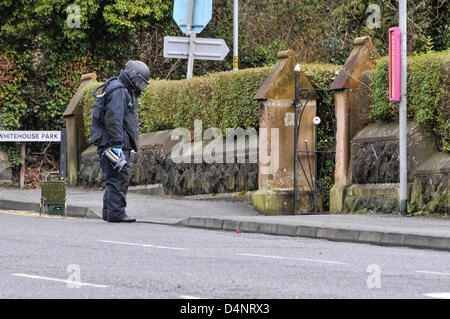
(98, 113)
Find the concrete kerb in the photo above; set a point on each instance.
(281, 229)
(16, 205)
(332, 234)
(72, 211)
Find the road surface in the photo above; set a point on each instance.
(80, 258)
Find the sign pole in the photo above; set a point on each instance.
(403, 125)
(192, 35)
(63, 155)
(236, 34)
(23, 166)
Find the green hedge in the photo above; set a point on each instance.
(222, 100)
(428, 94)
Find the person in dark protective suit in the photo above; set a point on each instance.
(116, 126)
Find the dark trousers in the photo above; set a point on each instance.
(116, 189)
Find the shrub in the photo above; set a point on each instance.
(223, 100)
(428, 94)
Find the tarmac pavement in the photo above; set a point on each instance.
(236, 214)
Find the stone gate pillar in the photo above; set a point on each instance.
(276, 137)
(76, 142)
(352, 114)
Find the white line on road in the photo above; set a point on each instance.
(141, 245)
(296, 258)
(439, 295)
(75, 283)
(189, 297)
(433, 273)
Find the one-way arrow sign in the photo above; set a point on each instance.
(205, 49)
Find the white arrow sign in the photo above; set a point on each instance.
(205, 49)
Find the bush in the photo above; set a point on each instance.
(428, 94)
(222, 100)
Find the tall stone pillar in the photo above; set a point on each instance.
(276, 137)
(351, 115)
(76, 142)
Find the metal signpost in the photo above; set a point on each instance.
(37, 137)
(403, 126)
(192, 16)
(398, 93)
(236, 34)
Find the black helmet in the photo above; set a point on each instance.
(139, 73)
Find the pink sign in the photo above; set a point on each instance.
(394, 64)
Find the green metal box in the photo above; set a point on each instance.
(53, 197)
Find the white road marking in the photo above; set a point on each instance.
(433, 273)
(81, 284)
(296, 258)
(439, 295)
(190, 297)
(142, 245)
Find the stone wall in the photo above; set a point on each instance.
(5, 171)
(153, 164)
(374, 171)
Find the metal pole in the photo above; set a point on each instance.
(63, 156)
(190, 69)
(296, 102)
(236, 34)
(23, 166)
(403, 125)
(316, 170)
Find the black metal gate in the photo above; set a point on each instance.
(320, 158)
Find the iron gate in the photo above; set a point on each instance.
(319, 174)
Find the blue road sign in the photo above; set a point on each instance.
(202, 14)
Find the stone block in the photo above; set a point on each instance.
(5, 171)
(230, 224)
(306, 231)
(286, 230)
(274, 202)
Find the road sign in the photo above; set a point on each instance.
(30, 136)
(202, 14)
(395, 59)
(41, 137)
(205, 49)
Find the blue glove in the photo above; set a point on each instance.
(118, 151)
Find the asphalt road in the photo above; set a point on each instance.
(77, 258)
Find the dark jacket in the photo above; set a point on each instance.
(121, 117)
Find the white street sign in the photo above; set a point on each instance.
(205, 49)
(30, 136)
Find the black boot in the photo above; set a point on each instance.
(128, 220)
